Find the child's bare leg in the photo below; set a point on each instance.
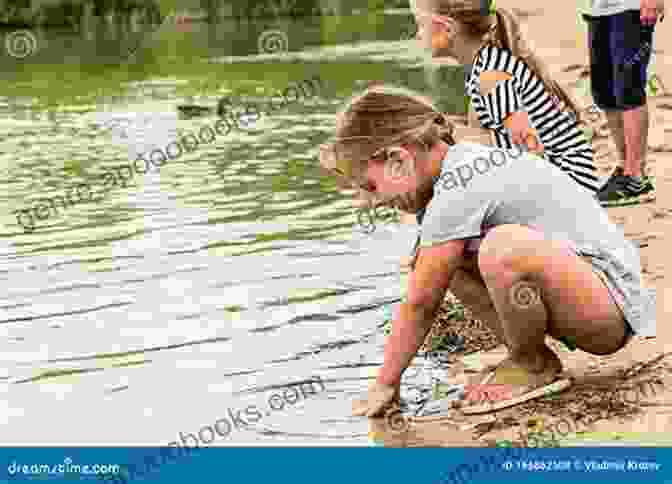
(470, 289)
(538, 287)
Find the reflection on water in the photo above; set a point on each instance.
(231, 272)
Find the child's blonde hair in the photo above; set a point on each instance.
(500, 28)
(380, 117)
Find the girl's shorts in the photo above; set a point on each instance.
(620, 51)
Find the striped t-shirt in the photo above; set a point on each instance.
(564, 144)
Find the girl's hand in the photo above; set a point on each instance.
(649, 10)
(522, 133)
(379, 398)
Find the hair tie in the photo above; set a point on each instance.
(491, 35)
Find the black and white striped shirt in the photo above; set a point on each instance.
(564, 144)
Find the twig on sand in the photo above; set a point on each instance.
(641, 366)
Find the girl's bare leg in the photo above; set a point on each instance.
(468, 286)
(537, 286)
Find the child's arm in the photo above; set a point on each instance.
(427, 287)
(511, 113)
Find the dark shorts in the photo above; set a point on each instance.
(620, 51)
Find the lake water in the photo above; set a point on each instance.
(215, 281)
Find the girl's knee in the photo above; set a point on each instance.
(508, 248)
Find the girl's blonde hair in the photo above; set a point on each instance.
(500, 28)
(380, 117)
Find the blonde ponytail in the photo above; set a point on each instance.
(509, 36)
(501, 29)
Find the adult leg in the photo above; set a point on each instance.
(631, 46)
(621, 47)
(603, 90)
(636, 130)
(617, 130)
(537, 287)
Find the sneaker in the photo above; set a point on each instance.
(613, 178)
(622, 190)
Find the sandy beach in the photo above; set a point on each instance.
(649, 225)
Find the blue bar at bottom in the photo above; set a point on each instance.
(300, 465)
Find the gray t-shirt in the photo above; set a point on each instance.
(481, 187)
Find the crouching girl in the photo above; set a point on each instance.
(526, 265)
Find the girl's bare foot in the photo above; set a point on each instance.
(509, 379)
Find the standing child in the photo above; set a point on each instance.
(511, 90)
(620, 40)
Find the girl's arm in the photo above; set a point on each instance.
(503, 93)
(427, 287)
(525, 92)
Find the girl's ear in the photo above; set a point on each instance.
(448, 24)
(446, 33)
(399, 163)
